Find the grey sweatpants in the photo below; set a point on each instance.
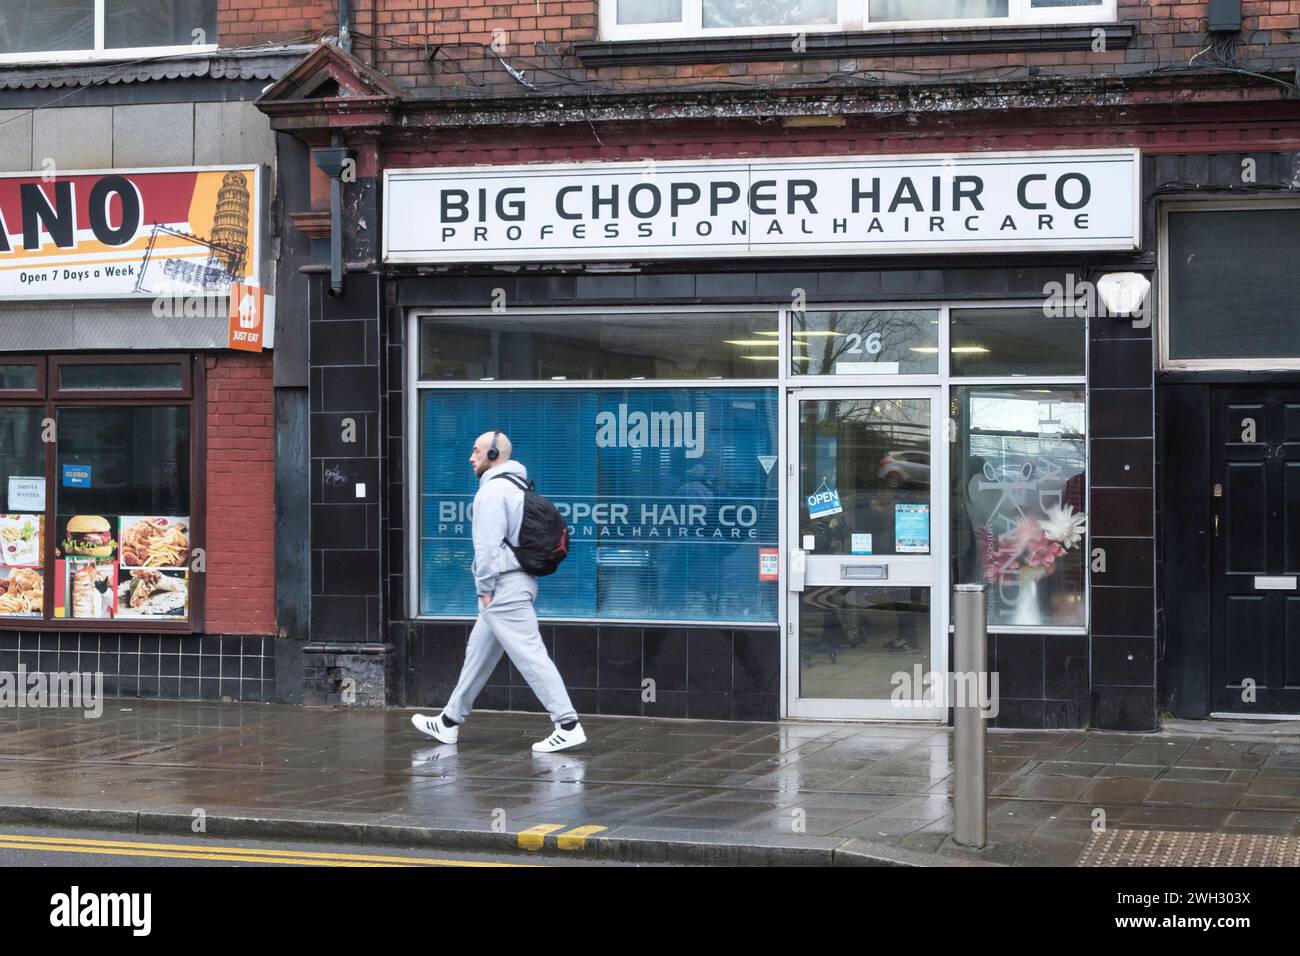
(509, 624)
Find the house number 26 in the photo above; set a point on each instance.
(857, 344)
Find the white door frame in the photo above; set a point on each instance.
(859, 709)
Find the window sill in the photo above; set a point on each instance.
(97, 626)
(861, 44)
(76, 57)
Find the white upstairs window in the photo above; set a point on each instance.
(68, 30)
(684, 19)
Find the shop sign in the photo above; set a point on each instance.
(145, 233)
(250, 318)
(958, 203)
(26, 494)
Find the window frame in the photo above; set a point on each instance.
(558, 316)
(50, 402)
(852, 16)
(1045, 382)
(25, 393)
(1164, 361)
(100, 52)
(418, 385)
(58, 362)
(943, 380)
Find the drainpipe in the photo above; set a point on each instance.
(345, 26)
(331, 161)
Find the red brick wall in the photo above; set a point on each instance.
(240, 519)
(254, 22)
(538, 37)
(395, 35)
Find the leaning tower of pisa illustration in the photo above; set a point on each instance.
(230, 226)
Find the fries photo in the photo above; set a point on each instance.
(22, 592)
(20, 540)
(155, 542)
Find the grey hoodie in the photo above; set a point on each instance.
(498, 512)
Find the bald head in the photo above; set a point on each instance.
(479, 456)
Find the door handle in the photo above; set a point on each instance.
(1216, 524)
(798, 567)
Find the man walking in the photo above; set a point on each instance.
(506, 619)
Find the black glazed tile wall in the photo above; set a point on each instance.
(1126, 661)
(1128, 512)
(348, 422)
(1018, 661)
(1121, 462)
(194, 667)
(1122, 708)
(1020, 713)
(1066, 668)
(1123, 611)
(702, 673)
(1121, 522)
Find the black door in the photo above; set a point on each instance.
(1255, 550)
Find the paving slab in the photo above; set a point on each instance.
(787, 793)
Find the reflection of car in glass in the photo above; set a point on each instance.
(900, 467)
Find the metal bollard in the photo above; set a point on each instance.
(970, 774)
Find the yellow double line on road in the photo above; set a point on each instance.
(182, 851)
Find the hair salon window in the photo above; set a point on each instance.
(682, 19)
(96, 463)
(864, 341)
(1019, 464)
(670, 490)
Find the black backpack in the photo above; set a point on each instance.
(543, 532)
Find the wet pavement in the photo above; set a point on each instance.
(788, 787)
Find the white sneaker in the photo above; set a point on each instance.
(560, 740)
(436, 728)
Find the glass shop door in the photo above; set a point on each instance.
(867, 569)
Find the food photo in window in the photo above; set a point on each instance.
(20, 540)
(22, 593)
(155, 552)
(22, 528)
(123, 499)
(88, 587)
(88, 536)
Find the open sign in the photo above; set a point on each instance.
(823, 503)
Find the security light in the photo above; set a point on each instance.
(1123, 292)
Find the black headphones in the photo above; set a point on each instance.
(493, 454)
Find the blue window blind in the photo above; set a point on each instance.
(669, 493)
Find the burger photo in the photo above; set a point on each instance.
(89, 536)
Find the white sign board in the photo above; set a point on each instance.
(174, 233)
(961, 203)
(26, 494)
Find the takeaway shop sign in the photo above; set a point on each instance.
(972, 202)
(151, 232)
